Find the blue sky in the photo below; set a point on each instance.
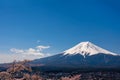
(59, 24)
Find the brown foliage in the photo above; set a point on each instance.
(16, 67)
(76, 77)
(5, 76)
(36, 77)
(27, 77)
(19, 66)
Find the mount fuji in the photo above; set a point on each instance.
(85, 54)
(86, 49)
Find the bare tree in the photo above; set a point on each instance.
(18, 67)
(5, 76)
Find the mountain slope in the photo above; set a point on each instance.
(85, 54)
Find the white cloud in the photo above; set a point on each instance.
(16, 50)
(31, 51)
(21, 54)
(40, 48)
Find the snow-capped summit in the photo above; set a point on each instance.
(87, 48)
(83, 55)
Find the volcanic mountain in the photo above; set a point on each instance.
(85, 54)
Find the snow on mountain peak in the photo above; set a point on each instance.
(87, 48)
